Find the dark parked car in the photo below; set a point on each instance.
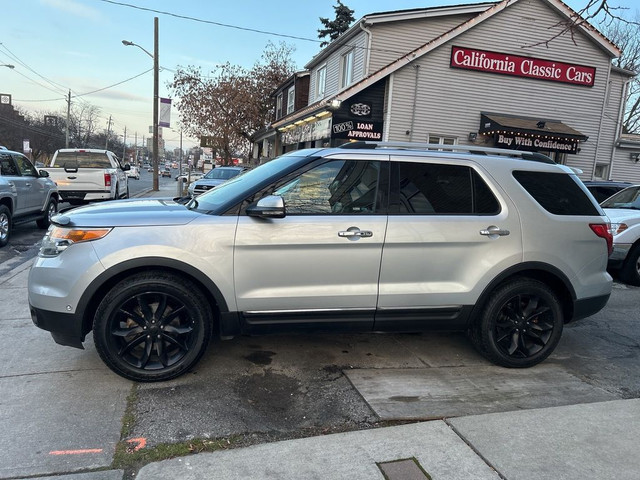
(603, 189)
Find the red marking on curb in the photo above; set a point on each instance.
(76, 452)
(141, 443)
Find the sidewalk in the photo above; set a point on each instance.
(598, 440)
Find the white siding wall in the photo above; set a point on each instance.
(390, 41)
(449, 101)
(623, 168)
(333, 63)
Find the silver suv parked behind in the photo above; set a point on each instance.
(26, 194)
(370, 237)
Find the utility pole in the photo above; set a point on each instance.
(66, 133)
(106, 143)
(124, 145)
(135, 158)
(155, 104)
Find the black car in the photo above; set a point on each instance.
(603, 189)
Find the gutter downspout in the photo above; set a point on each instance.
(604, 104)
(619, 124)
(367, 56)
(415, 100)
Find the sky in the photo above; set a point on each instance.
(62, 45)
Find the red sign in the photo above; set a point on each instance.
(529, 67)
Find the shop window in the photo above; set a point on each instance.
(347, 69)
(291, 99)
(321, 81)
(436, 139)
(601, 171)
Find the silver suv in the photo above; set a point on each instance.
(505, 245)
(26, 194)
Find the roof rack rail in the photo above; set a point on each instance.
(534, 156)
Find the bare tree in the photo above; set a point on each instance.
(626, 35)
(234, 103)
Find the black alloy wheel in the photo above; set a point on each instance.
(521, 324)
(152, 327)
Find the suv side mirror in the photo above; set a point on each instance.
(126, 167)
(267, 207)
(43, 173)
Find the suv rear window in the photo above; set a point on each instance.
(557, 193)
(82, 159)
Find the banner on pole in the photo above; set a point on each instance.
(165, 112)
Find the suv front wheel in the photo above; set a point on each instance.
(152, 326)
(520, 325)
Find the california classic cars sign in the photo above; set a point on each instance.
(516, 65)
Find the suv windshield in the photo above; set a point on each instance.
(242, 186)
(627, 198)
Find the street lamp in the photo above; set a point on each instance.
(155, 97)
(8, 65)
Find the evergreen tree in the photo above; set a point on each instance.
(334, 28)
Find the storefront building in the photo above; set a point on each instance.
(490, 74)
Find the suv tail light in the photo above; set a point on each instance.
(603, 231)
(107, 179)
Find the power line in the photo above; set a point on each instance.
(211, 22)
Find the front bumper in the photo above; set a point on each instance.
(65, 328)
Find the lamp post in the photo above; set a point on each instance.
(155, 97)
(8, 65)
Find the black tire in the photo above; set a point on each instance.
(50, 211)
(520, 325)
(630, 271)
(135, 343)
(5, 225)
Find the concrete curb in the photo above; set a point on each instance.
(16, 270)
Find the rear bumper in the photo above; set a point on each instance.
(85, 196)
(617, 257)
(65, 328)
(589, 306)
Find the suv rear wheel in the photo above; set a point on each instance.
(152, 326)
(520, 325)
(5, 225)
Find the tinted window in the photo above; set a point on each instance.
(7, 167)
(438, 189)
(557, 193)
(82, 159)
(347, 187)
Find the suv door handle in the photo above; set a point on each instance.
(493, 230)
(355, 232)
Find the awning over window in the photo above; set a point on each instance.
(529, 133)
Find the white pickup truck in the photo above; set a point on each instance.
(88, 175)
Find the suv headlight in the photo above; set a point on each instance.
(58, 239)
